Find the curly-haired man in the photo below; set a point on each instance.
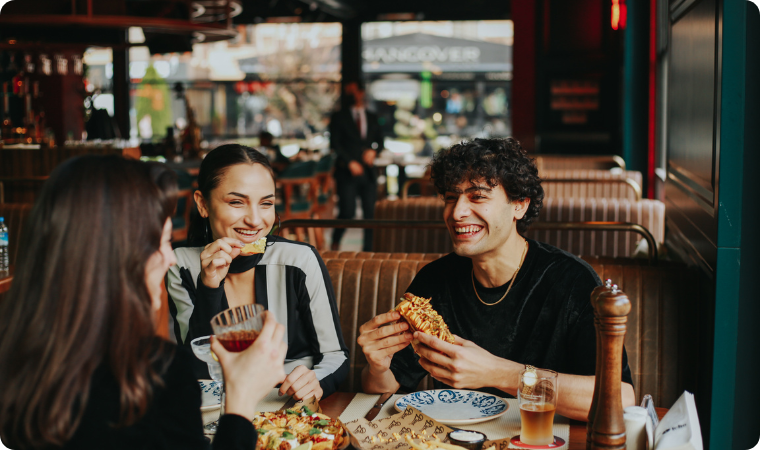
(509, 300)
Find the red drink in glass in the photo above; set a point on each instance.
(237, 341)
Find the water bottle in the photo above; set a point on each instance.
(4, 258)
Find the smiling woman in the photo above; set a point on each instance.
(236, 207)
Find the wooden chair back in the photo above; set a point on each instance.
(292, 204)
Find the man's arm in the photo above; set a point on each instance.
(464, 365)
(380, 339)
(378, 382)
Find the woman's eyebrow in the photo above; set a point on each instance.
(267, 196)
(238, 194)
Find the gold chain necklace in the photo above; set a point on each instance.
(472, 275)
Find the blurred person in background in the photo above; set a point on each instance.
(356, 138)
(80, 364)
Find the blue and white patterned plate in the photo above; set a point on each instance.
(211, 395)
(455, 406)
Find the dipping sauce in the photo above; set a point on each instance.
(472, 440)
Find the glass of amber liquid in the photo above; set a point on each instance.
(237, 328)
(537, 398)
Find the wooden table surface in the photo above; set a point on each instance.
(335, 404)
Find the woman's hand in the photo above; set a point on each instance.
(301, 383)
(250, 375)
(216, 259)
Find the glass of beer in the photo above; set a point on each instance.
(537, 398)
(237, 328)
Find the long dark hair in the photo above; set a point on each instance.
(79, 298)
(213, 169)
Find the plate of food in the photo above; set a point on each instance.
(211, 395)
(455, 406)
(299, 429)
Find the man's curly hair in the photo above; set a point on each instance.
(498, 162)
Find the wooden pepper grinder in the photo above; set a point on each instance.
(598, 380)
(606, 425)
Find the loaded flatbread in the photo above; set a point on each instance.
(287, 430)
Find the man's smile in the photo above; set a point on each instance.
(467, 230)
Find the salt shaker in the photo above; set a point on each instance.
(638, 428)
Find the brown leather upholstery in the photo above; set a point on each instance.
(590, 189)
(15, 215)
(372, 255)
(579, 162)
(648, 213)
(365, 288)
(659, 327)
(417, 241)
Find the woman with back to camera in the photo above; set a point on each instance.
(235, 199)
(80, 365)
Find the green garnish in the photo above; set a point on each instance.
(287, 435)
(290, 411)
(314, 431)
(307, 410)
(321, 422)
(261, 431)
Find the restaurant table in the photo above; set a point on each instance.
(336, 406)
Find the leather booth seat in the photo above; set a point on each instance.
(589, 184)
(647, 213)
(659, 329)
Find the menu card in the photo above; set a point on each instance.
(389, 433)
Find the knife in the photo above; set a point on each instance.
(379, 405)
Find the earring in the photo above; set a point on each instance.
(207, 231)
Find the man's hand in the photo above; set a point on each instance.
(462, 365)
(368, 156)
(301, 383)
(380, 339)
(216, 259)
(355, 168)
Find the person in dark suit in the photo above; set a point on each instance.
(355, 137)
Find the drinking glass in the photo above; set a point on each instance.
(202, 349)
(537, 397)
(236, 328)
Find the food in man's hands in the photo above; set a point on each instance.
(422, 317)
(257, 246)
(289, 429)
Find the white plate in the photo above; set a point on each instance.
(211, 395)
(455, 406)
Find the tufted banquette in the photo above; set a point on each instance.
(367, 284)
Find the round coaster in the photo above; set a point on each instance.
(558, 442)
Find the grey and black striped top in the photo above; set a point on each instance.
(292, 282)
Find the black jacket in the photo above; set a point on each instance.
(346, 141)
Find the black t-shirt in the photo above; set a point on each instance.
(546, 320)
